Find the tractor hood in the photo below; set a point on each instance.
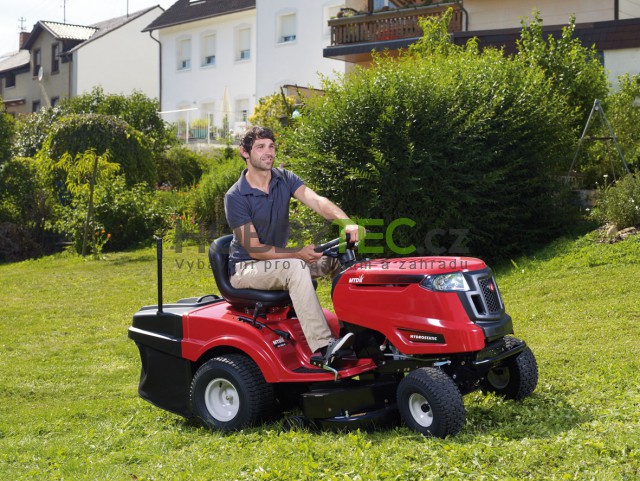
(406, 270)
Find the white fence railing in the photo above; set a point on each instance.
(193, 125)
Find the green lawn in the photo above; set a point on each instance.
(68, 378)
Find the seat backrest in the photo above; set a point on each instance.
(219, 259)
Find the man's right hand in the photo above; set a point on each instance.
(308, 255)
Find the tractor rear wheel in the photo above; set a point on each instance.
(430, 403)
(229, 393)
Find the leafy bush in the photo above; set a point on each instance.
(209, 196)
(575, 71)
(32, 130)
(24, 207)
(455, 139)
(7, 129)
(619, 203)
(16, 243)
(24, 199)
(623, 112)
(78, 133)
(129, 216)
(272, 110)
(180, 167)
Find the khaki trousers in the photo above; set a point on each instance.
(295, 276)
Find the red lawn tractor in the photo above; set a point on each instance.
(427, 331)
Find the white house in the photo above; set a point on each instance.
(218, 58)
(291, 36)
(59, 60)
(119, 57)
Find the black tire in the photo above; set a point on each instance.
(229, 393)
(516, 379)
(430, 402)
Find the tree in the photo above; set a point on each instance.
(86, 175)
(78, 133)
(136, 109)
(574, 70)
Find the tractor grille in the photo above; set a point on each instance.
(490, 294)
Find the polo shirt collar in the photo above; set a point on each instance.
(246, 189)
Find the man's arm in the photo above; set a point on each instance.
(327, 209)
(248, 238)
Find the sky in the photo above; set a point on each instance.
(78, 12)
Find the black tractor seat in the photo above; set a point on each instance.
(241, 298)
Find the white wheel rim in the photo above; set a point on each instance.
(420, 410)
(222, 400)
(499, 377)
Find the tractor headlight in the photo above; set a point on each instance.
(453, 281)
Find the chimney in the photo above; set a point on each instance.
(23, 38)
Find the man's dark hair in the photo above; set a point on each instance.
(253, 134)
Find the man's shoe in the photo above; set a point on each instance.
(335, 346)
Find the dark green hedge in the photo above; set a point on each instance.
(460, 142)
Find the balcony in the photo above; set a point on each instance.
(353, 37)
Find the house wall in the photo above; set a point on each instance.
(297, 62)
(111, 62)
(620, 62)
(53, 84)
(629, 9)
(21, 90)
(204, 87)
(497, 14)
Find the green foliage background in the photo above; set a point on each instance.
(450, 137)
(77, 133)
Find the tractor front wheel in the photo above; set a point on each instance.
(517, 378)
(430, 403)
(229, 393)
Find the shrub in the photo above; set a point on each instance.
(7, 129)
(130, 216)
(16, 243)
(575, 71)
(272, 111)
(32, 130)
(619, 203)
(180, 167)
(209, 197)
(623, 112)
(24, 199)
(78, 133)
(449, 137)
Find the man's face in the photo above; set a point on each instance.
(262, 155)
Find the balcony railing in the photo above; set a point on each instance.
(389, 25)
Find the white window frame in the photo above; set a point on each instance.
(183, 62)
(241, 114)
(208, 59)
(282, 23)
(242, 48)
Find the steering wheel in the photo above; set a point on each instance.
(343, 251)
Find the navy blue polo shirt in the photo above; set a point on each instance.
(269, 213)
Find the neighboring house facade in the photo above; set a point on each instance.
(58, 60)
(15, 82)
(220, 57)
(291, 37)
(613, 26)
